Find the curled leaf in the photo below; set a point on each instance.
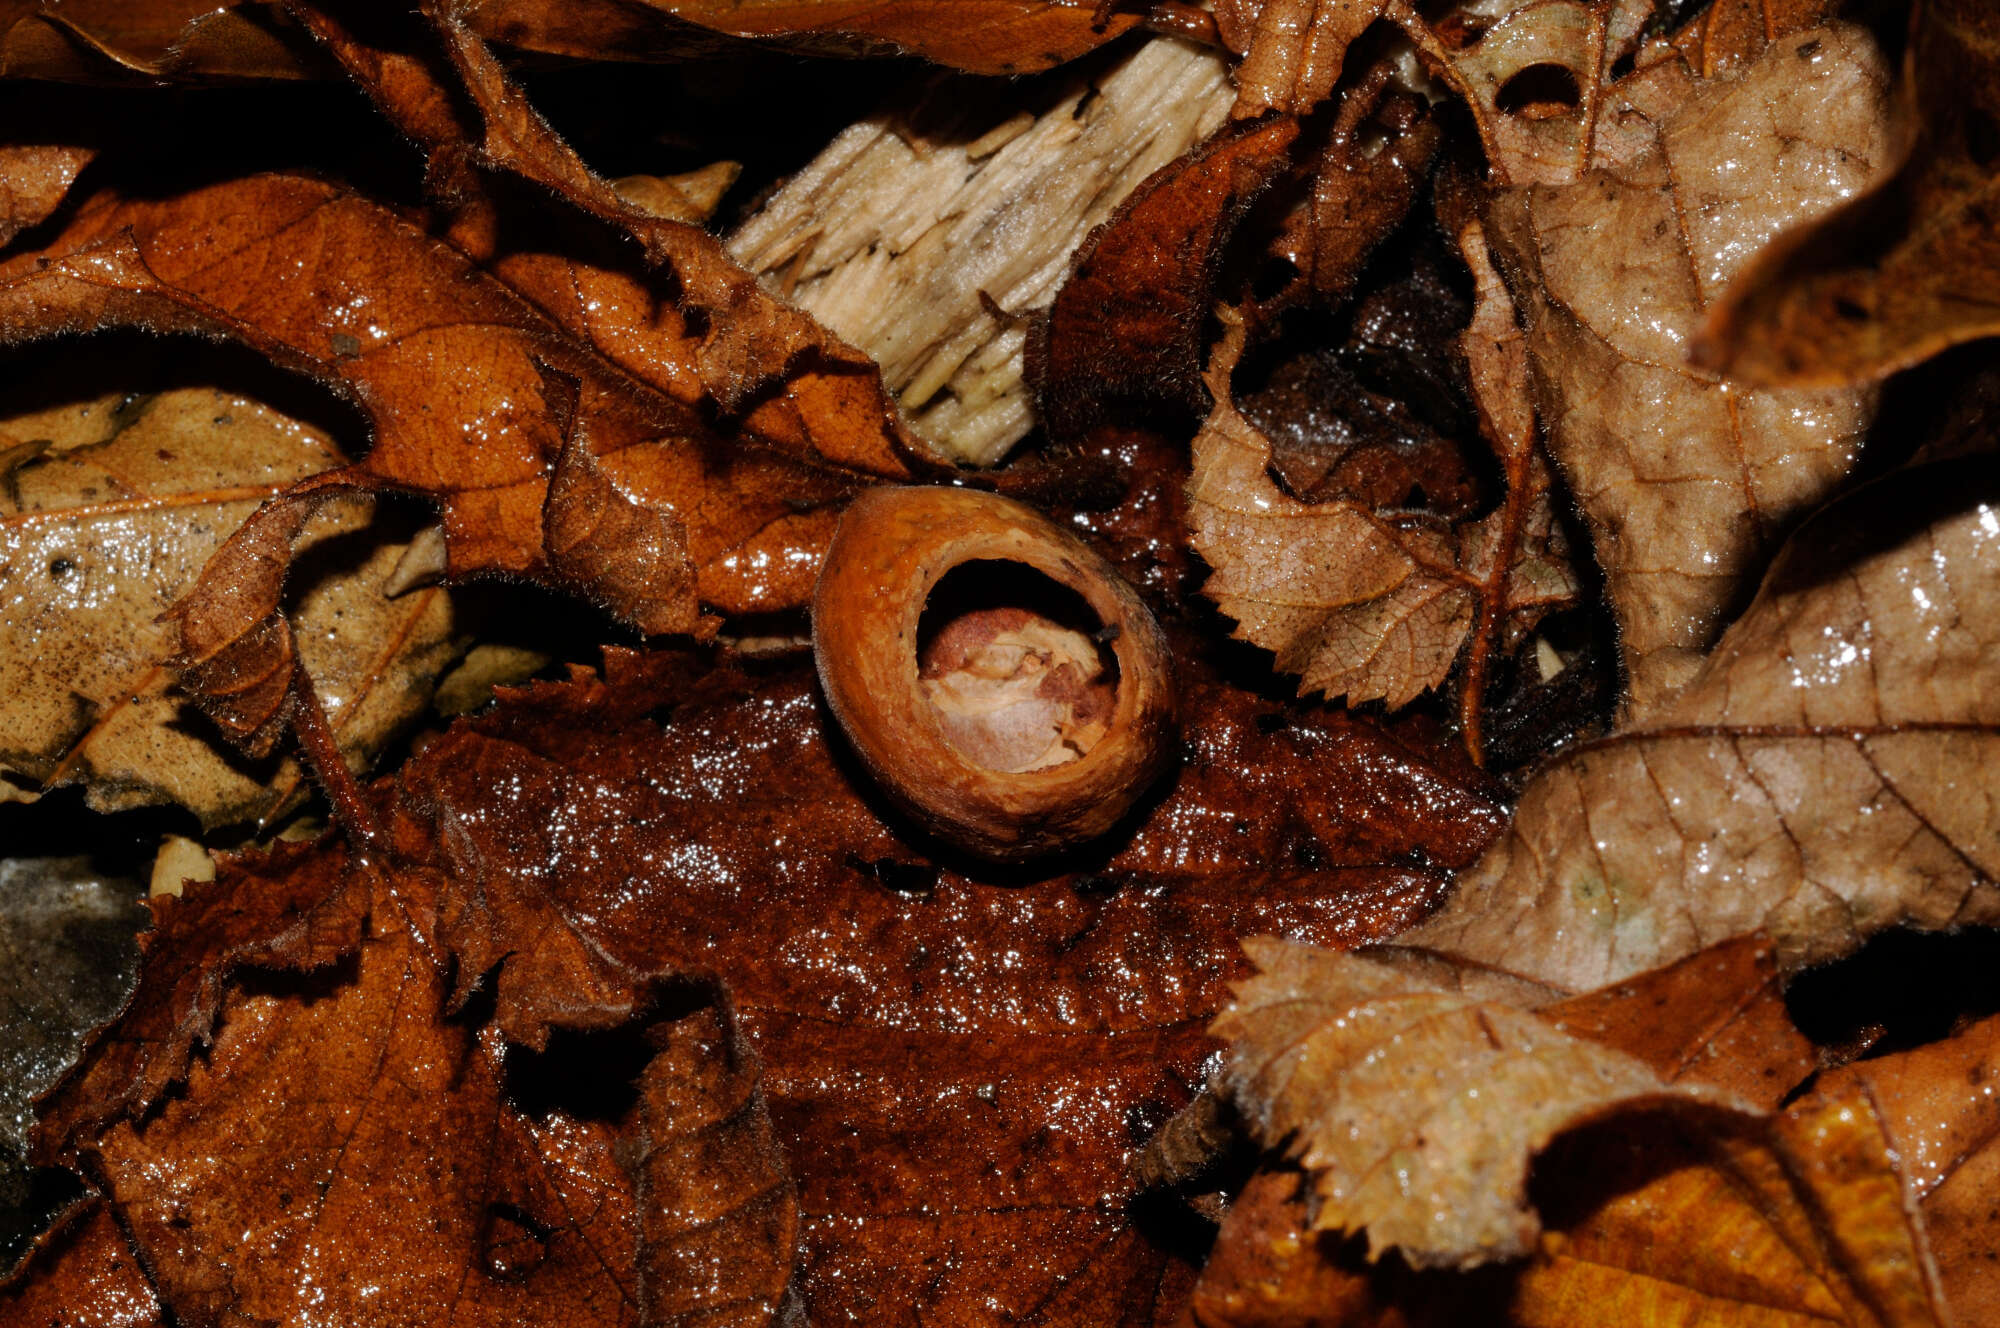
(1372, 603)
(376, 309)
(1687, 480)
(1127, 324)
(1825, 775)
(109, 509)
(1417, 1111)
(1904, 272)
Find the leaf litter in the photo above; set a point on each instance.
(626, 998)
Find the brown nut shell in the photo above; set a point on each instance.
(892, 548)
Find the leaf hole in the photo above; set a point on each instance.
(1540, 92)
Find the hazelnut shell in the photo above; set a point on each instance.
(890, 551)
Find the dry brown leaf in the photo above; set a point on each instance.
(1687, 480)
(1367, 603)
(1653, 1218)
(1905, 272)
(925, 237)
(109, 509)
(1416, 1110)
(1828, 773)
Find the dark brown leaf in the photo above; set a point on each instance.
(346, 1144)
(1128, 322)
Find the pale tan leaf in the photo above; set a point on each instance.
(109, 509)
(1688, 481)
(1416, 1110)
(1372, 604)
(918, 237)
(1355, 606)
(1834, 769)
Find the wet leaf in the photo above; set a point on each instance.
(82, 1274)
(374, 311)
(389, 1155)
(1651, 1218)
(1821, 778)
(34, 180)
(1417, 1111)
(1127, 324)
(1366, 601)
(1687, 480)
(924, 1033)
(109, 508)
(199, 40)
(978, 36)
(929, 237)
(1904, 272)
(1292, 49)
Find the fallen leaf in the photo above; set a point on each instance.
(1651, 1217)
(109, 508)
(376, 309)
(200, 40)
(1417, 1111)
(1126, 327)
(1905, 271)
(979, 36)
(1292, 49)
(34, 180)
(1941, 1117)
(927, 236)
(1365, 602)
(1821, 778)
(1687, 480)
(81, 1274)
(150, 41)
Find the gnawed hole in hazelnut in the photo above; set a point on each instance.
(1015, 666)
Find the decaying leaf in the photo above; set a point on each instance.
(34, 179)
(82, 1274)
(347, 1146)
(1415, 1110)
(1126, 326)
(198, 40)
(376, 309)
(978, 36)
(1292, 49)
(915, 1025)
(109, 508)
(1941, 1116)
(926, 237)
(1825, 775)
(1371, 603)
(1904, 272)
(1689, 1216)
(1687, 480)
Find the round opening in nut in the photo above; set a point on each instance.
(1017, 667)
